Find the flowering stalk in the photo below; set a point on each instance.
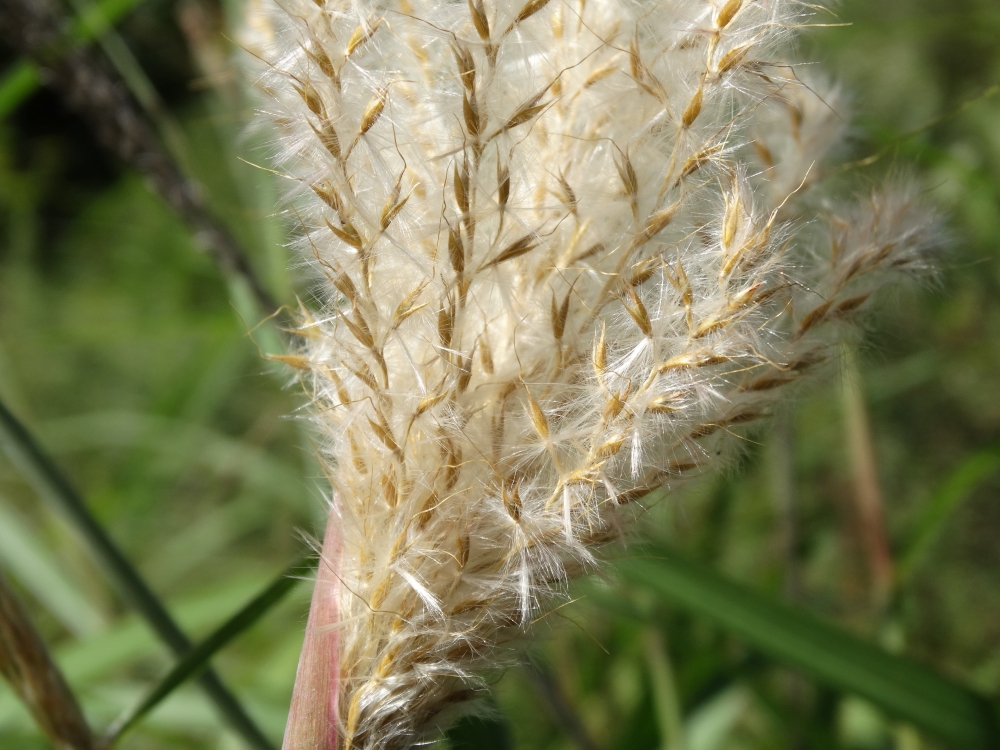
(564, 250)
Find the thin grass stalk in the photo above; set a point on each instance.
(41, 472)
(198, 657)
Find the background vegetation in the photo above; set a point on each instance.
(870, 503)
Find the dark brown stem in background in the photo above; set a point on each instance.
(26, 664)
(89, 87)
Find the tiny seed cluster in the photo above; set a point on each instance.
(564, 250)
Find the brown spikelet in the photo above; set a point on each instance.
(693, 109)
(361, 35)
(514, 250)
(727, 12)
(529, 9)
(373, 111)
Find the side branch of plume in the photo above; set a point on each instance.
(94, 91)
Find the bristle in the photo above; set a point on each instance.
(567, 251)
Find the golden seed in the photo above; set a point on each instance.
(473, 122)
(464, 374)
(461, 186)
(537, 416)
(514, 250)
(328, 195)
(312, 99)
(392, 208)
(361, 35)
(814, 317)
(529, 9)
(363, 373)
(656, 224)
(466, 67)
(384, 434)
(389, 490)
(637, 311)
(446, 324)
(730, 220)
(319, 56)
(734, 57)
(511, 497)
(693, 109)
(406, 307)
(327, 135)
(456, 253)
(643, 271)
(503, 185)
(478, 14)
(381, 592)
(292, 360)
(769, 383)
(429, 402)
(698, 160)
(665, 403)
(727, 12)
(614, 405)
(597, 247)
(610, 448)
(359, 328)
(559, 315)
(523, 115)
(600, 353)
(849, 305)
(348, 234)
(627, 174)
(374, 110)
(599, 75)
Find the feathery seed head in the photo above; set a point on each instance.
(565, 249)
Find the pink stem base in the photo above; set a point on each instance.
(312, 718)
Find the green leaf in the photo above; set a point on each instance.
(199, 657)
(949, 496)
(17, 84)
(801, 640)
(24, 555)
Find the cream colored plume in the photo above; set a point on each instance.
(563, 250)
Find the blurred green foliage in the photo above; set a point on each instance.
(122, 348)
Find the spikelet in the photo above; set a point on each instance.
(563, 251)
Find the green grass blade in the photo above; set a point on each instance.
(902, 688)
(16, 85)
(197, 660)
(49, 482)
(948, 497)
(27, 560)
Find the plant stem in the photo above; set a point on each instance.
(49, 482)
(26, 664)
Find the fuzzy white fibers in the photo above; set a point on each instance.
(564, 248)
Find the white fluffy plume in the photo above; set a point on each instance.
(564, 249)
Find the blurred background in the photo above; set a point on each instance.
(871, 502)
